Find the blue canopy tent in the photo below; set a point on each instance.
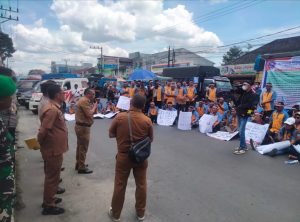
(142, 74)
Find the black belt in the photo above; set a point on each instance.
(83, 124)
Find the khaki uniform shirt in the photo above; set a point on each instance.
(53, 133)
(141, 128)
(84, 112)
(44, 101)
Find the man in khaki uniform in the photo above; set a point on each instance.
(53, 138)
(141, 128)
(84, 121)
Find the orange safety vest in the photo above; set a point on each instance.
(200, 110)
(234, 121)
(287, 135)
(167, 91)
(171, 98)
(277, 122)
(131, 92)
(267, 96)
(212, 94)
(191, 93)
(180, 97)
(153, 111)
(158, 94)
(193, 118)
(71, 110)
(126, 92)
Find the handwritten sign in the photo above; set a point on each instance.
(256, 132)
(124, 103)
(221, 135)
(206, 122)
(184, 122)
(165, 117)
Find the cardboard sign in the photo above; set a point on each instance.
(123, 103)
(206, 122)
(256, 132)
(165, 117)
(184, 122)
(221, 135)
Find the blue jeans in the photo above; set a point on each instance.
(242, 129)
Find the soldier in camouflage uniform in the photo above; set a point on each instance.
(7, 160)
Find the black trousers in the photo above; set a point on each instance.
(157, 103)
(153, 118)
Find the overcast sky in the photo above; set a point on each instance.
(60, 29)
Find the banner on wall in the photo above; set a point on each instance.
(284, 74)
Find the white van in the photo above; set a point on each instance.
(67, 84)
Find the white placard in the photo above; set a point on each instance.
(165, 117)
(184, 121)
(221, 135)
(297, 148)
(99, 115)
(69, 117)
(124, 103)
(110, 115)
(256, 132)
(267, 148)
(206, 122)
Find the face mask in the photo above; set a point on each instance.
(245, 88)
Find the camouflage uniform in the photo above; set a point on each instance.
(7, 159)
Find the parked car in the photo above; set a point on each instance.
(24, 88)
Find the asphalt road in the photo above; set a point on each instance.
(191, 177)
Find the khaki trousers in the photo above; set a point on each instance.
(122, 172)
(83, 139)
(52, 175)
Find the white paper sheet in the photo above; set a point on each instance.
(69, 117)
(184, 122)
(206, 122)
(165, 117)
(124, 103)
(221, 135)
(256, 132)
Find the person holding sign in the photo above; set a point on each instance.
(152, 112)
(232, 122)
(141, 128)
(201, 109)
(110, 107)
(217, 124)
(244, 110)
(191, 94)
(194, 118)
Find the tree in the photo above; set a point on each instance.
(233, 53)
(6, 46)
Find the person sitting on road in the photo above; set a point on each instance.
(110, 107)
(222, 106)
(71, 109)
(152, 112)
(99, 107)
(232, 121)
(201, 109)
(210, 107)
(170, 107)
(257, 118)
(195, 117)
(217, 124)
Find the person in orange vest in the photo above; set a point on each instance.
(171, 94)
(141, 89)
(167, 89)
(267, 99)
(191, 94)
(201, 109)
(232, 122)
(152, 112)
(180, 97)
(222, 106)
(125, 90)
(211, 93)
(158, 94)
(132, 89)
(195, 117)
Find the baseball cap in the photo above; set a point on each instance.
(290, 121)
(279, 104)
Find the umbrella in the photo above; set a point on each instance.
(142, 74)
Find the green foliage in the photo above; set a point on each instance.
(6, 46)
(233, 53)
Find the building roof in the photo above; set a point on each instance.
(190, 72)
(279, 46)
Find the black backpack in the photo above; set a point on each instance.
(140, 150)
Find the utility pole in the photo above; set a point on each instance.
(173, 58)
(6, 14)
(169, 56)
(66, 61)
(101, 57)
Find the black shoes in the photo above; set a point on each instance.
(272, 153)
(76, 166)
(60, 190)
(56, 201)
(53, 211)
(85, 171)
